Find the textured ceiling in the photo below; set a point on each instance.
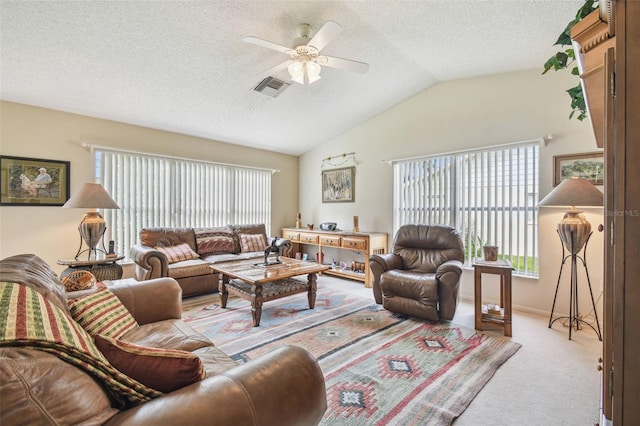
(182, 66)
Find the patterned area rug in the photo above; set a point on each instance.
(380, 368)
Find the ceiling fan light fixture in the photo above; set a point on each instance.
(313, 71)
(296, 71)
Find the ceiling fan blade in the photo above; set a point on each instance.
(267, 44)
(325, 35)
(276, 69)
(343, 64)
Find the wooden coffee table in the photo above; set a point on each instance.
(258, 284)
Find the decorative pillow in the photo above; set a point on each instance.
(252, 242)
(178, 253)
(102, 313)
(164, 370)
(214, 240)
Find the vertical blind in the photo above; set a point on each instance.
(155, 191)
(488, 195)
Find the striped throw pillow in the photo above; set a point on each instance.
(178, 253)
(214, 240)
(102, 313)
(252, 242)
(164, 370)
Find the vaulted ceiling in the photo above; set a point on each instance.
(181, 66)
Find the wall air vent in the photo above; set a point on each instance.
(271, 86)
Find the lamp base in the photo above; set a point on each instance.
(574, 230)
(91, 229)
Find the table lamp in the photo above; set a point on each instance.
(92, 227)
(574, 231)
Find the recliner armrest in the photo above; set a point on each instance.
(448, 275)
(379, 263)
(450, 266)
(282, 387)
(153, 263)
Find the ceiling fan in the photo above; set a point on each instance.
(305, 61)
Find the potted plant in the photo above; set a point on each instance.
(566, 58)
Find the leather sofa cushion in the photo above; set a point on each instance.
(164, 370)
(31, 271)
(214, 360)
(35, 387)
(168, 334)
(189, 268)
(413, 293)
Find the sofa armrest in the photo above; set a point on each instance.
(380, 263)
(151, 301)
(448, 275)
(282, 387)
(151, 263)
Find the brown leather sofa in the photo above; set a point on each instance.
(421, 275)
(283, 387)
(194, 276)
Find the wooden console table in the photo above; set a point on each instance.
(367, 243)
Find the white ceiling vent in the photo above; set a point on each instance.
(271, 86)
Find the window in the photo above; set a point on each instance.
(488, 195)
(155, 191)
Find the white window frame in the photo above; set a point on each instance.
(162, 191)
(484, 193)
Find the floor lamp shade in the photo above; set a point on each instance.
(574, 229)
(92, 227)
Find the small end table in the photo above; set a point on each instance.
(103, 268)
(499, 267)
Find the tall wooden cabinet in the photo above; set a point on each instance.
(609, 45)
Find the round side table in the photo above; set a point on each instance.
(103, 268)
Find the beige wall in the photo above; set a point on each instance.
(51, 232)
(453, 116)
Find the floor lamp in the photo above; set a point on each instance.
(92, 227)
(574, 231)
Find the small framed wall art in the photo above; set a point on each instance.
(589, 165)
(33, 181)
(338, 185)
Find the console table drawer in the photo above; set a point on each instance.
(309, 238)
(330, 240)
(354, 243)
(291, 235)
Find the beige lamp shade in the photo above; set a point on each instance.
(92, 227)
(574, 229)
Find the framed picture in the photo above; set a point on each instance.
(33, 181)
(338, 185)
(589, 165)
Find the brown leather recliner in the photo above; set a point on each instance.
(421, 276)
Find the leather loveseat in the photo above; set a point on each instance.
(212, 245)
(283, 387)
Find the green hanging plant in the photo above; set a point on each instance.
(566, 58)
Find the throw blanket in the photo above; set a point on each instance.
(29, 320)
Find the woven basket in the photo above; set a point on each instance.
(79, 280)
